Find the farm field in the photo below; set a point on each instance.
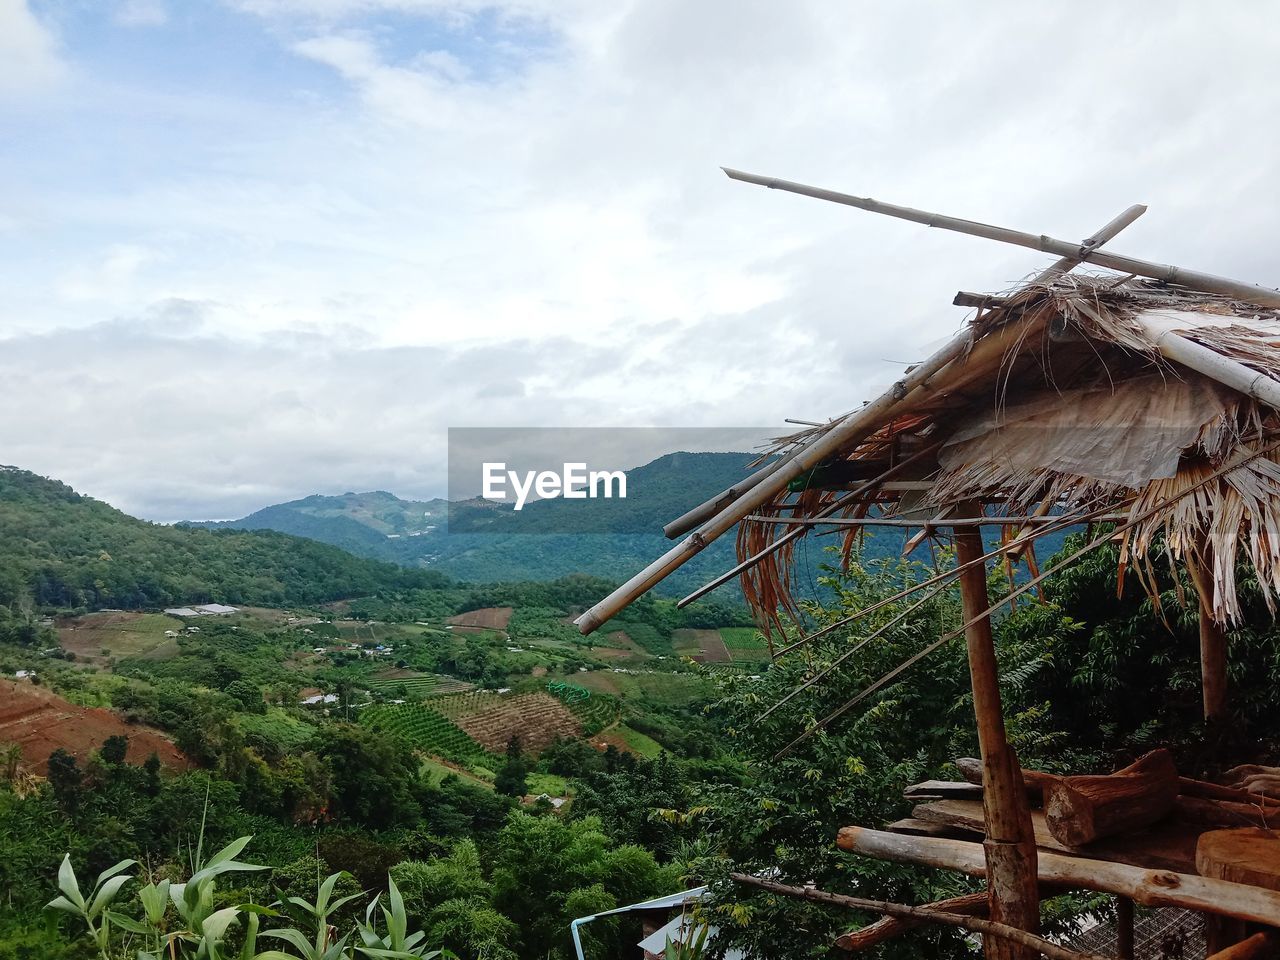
(493, 719)
(668, 689)
(120, 634)
(417, 684)
(744, 644)
(39, 722)
(436, 770)
(424, 728)
(704, 646)
(486, 618)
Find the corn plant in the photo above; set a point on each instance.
(194, 930)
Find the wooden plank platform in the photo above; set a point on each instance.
(1168, 845)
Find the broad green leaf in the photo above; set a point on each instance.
(293, 937)
(62, 903)
(67, 882)
(106, 893)
(229, 852)
(215, 925)
(128, 923)
(326, 891)
(155, 898)
(112, 871)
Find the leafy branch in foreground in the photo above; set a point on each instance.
(194, 930)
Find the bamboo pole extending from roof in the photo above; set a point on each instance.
(1143, 268)
(1215, 366)
(686, 522)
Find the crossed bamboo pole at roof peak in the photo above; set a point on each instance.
(724, 511)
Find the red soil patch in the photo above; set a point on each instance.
(486, 618)
(39, 721)
(536, 718)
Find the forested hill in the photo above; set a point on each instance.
(66, 550)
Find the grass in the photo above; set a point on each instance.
(548, 783)
(277, 726)
(644, 745)
(121, 635)
(435, 771)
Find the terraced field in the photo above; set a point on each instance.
(595, 710)
(704, 646)
(424, 729)
(744, 644)
(492, 719)
(418, 684)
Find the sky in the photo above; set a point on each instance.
(257, 249)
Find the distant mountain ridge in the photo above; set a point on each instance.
(480, 541)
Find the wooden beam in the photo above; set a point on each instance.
(1031, 944)
(1124, 928)
(1260, 946)
(1213, 648)
(1192, 279)
(1010, 844)
(1030, 520)
(723, 512)
(1152, 888)
(887, 928)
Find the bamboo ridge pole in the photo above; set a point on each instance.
(992, 928)
(686, 522)
(1029, 520)
(1142, 268)
(1034, 581)
(961, 351)
(1152, 888)
(1232, 373)
(850, 430)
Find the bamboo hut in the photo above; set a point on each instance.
(1147, 397)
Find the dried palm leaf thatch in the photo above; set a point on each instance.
(1087, 412)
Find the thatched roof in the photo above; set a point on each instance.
(1148, 398)
(1080, 413)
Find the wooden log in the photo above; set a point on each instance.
(1245, 855)
(943, 790)
(1010, 840)
(1082, 809)
(1170, 845)
(1152, 888)
(923, 828)
(1142, 268)
(989, 928)
(1261, 946)
(971, 769)
(1219, 813)
(886, 928)
(1216, 791)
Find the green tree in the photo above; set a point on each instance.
(65, 778)
(114, 749)
(511, 779)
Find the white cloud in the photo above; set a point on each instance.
(29, 57)
(142, 13)
(515, 216)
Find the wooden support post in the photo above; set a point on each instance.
(1010, 846)
(1124, 928)
(1213, 648)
